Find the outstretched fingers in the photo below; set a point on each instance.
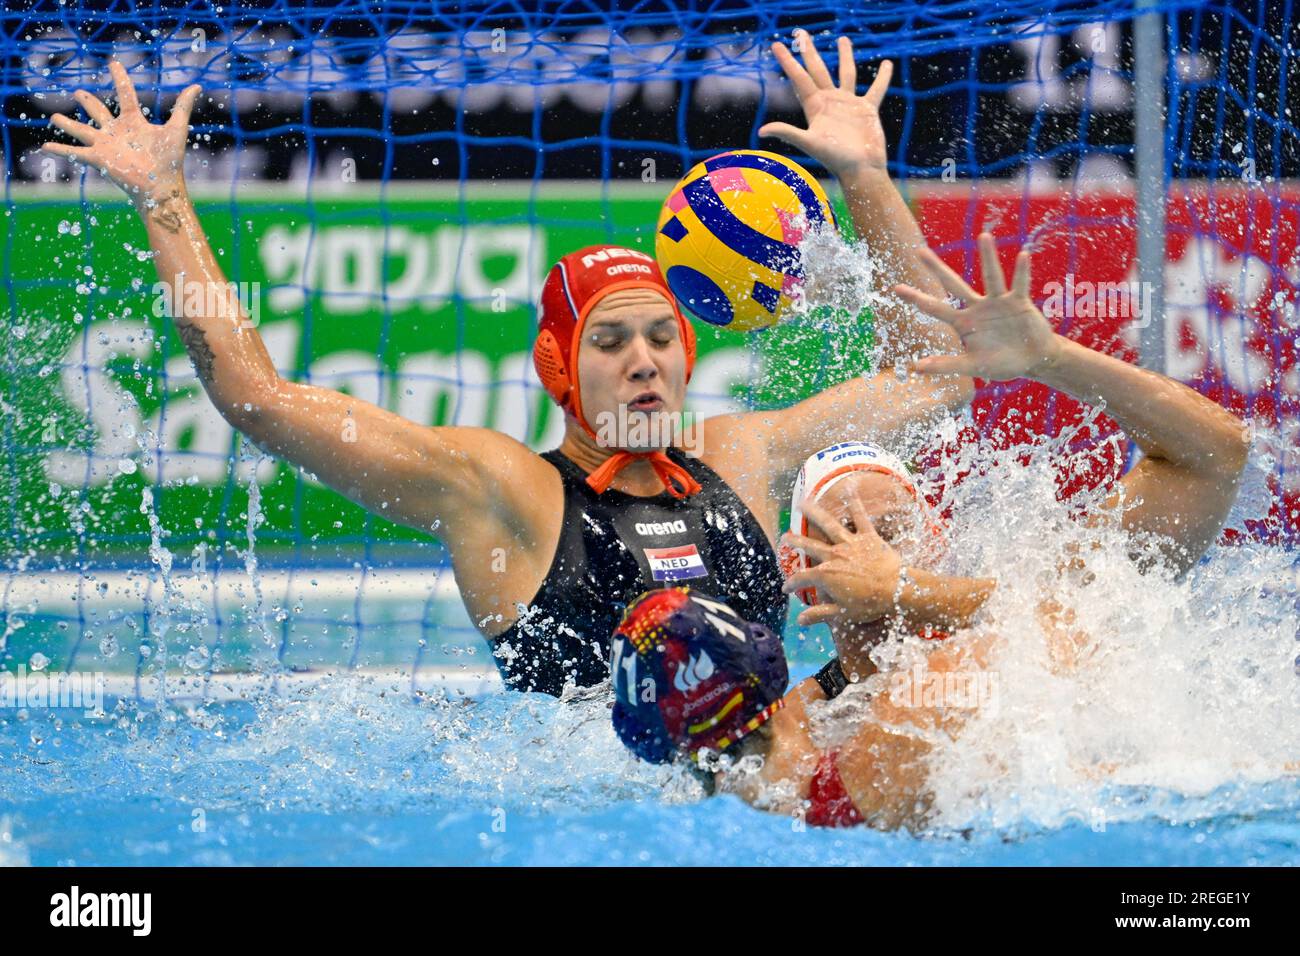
(813, 61)
(82, 132)
(796, 137)
(1020, 279)
(994, 281)
(945, 365)
(127, 101)
(807, 579)
(876, 93)
(802, 83)
(952, 283)
(862, 523)
(928, 304)
(819, 614)
(94, 107)
(78, 154)
(817, 550)
(826, 522)
(848, 66)
(184, 106)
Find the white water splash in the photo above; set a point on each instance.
(351, 740)
(254, 519)
(841, 274)
(12, 851)
(1187, 693)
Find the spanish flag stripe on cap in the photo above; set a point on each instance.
(727, 708)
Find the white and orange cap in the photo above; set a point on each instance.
(824, 469)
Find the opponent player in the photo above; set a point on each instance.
(691, 675)
(548, 549)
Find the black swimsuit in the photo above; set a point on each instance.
(613, 547)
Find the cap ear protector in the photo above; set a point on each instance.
(574, 286)
(822, 471)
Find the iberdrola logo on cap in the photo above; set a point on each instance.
(694, 672)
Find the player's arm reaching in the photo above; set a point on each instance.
(1194, 449)
(406, 472)
(844, 133)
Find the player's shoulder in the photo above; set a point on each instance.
(508, 459)
(488, 461)
(737, 447)
(492, 480)
(735, 429)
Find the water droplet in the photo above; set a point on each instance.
(38, 661)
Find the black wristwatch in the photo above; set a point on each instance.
(831, 679)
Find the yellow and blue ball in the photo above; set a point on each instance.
(728, 236)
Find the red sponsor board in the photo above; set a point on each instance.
(1232, 313)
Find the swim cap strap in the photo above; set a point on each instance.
(676, 479)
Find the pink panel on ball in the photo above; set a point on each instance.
(791, 232)
(729, 180)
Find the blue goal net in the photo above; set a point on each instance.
(385, 185)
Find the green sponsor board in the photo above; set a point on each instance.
(417, 299)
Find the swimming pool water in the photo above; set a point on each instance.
(354, 773)
(1192, 693)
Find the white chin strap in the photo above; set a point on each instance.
(816, 477)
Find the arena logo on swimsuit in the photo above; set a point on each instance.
(661, 527)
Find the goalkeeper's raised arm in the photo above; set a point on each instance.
(547, 549)
(406, 472)
(845, 135)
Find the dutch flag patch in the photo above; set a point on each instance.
(676, 564)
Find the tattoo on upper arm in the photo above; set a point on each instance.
(196, 344)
